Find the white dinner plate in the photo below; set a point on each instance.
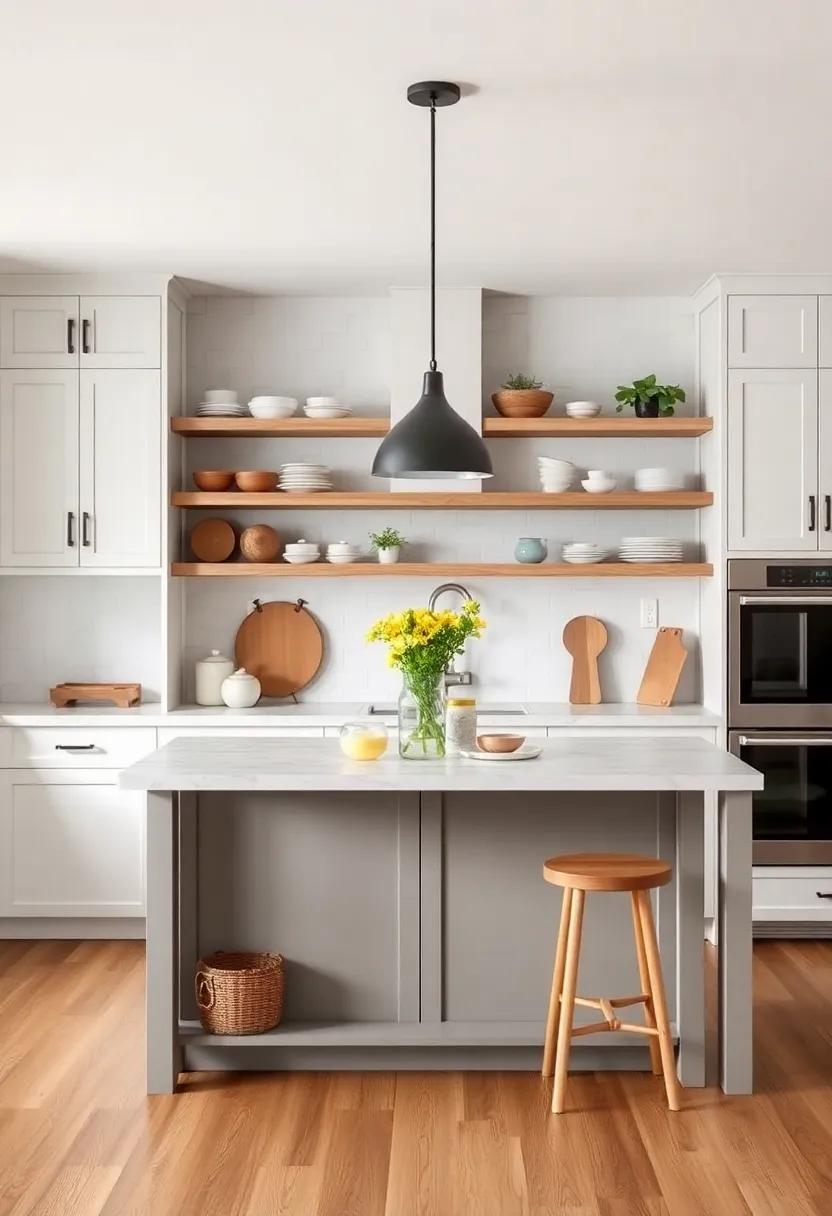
(526, 752)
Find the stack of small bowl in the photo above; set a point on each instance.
(656, 480)
(583, 409)
(326, 407)
(583, 554)
(555, 475)
(272, 407)
(301, 552)
(341, 553)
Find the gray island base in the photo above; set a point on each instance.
(408, 901)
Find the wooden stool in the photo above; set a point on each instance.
(578, 873)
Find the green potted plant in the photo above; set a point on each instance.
(649, 399)
(387, 545)
(522, 397)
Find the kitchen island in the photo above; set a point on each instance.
(408, 900)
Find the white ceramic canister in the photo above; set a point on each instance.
(460, 725)
(210, 673)
(240, 690)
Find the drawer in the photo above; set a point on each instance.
(75, 746)
(796, 896)
(167, 734)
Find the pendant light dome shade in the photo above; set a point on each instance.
(432, 440)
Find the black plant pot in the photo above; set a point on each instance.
(647, 409)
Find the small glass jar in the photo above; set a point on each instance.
(460, 725)
(365, 739)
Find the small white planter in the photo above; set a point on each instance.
(388, 556)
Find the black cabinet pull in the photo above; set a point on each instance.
(85, 529)
(70, 336)
(824, 894)
(827, 506)
(70, 529)
(812, 513)
(85, 336)
(74, 747)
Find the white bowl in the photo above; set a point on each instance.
(343, 559)
(598, 485)
(300, 559)
(322, 401)
(552, 463)
(220, 396)
(271, 411)
(582, 409)
(342, 546)
(271, 399)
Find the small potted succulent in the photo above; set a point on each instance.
(522, 397)
(387, 545)
(649, 399)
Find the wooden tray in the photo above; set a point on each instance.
(280, 643)
(121, 695)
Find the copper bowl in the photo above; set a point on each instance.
(257, 481)
(213, 480)
(500, 742)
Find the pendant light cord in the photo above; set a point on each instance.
(432, 234)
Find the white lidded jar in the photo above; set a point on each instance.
(460, 725)
(240, 690)
(210, 673)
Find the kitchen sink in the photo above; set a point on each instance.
(503, 711)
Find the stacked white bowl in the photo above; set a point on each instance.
(301, 552)
(341, 553)
(579, 553)
(657, 479)
(583, 409)
(326, 407)
(272, 407)
(555, 475)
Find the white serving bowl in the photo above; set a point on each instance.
(301, 559)
(343, 559)
(583, 409)
(271, 411)
(598, 485)
(220, 396)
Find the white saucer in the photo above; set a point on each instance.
(526, 752)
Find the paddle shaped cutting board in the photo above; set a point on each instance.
(585, 637)
(280, 643)
(664, 667)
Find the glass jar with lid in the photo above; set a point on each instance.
(460, 725)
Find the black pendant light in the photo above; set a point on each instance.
(432, 440)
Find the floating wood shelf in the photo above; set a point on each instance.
(433, 569)
(355, 427)
(362, 500)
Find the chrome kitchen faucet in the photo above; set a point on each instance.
(452, 676)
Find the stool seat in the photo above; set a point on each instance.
(607, 871)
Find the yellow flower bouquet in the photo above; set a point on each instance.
(421, 643)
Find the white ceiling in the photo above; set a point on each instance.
(603, 146)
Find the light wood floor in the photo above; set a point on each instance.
(78, 1136)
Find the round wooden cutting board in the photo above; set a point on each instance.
(281, 644)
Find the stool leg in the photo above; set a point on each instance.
(557, 985)
(567, 1000)
(644, 980)
(654, 967)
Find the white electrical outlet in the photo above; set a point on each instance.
(649, 614)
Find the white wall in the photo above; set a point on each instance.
(54, 629)
(581, 348)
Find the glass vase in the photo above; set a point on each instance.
(421, 717)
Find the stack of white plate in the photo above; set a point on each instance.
(341, 553)
(304, 478)
(650, 549)
(583, 409)
(583, 554)
(221, 403)
(272, 407)
(555, 475)
(653, 480)
(301, 552)
(326, 407)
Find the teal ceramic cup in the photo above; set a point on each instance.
(531, 549)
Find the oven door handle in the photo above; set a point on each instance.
(790, 741)
(771, 601)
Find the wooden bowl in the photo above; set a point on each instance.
(213, 540)
(500, 742)
(260, 543)
(259, 481)
(213, 480)
(522, 402)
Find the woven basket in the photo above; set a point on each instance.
(239, 993)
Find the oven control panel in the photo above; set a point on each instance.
(799, 576)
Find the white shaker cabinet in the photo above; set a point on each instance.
(71, 844)
(120, 468)
(39, 468)
(773, 460)
(825, 459)
(772, 331)
(121, 331)
(39, 331)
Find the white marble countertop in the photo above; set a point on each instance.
(317, 764)
(323, 714)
